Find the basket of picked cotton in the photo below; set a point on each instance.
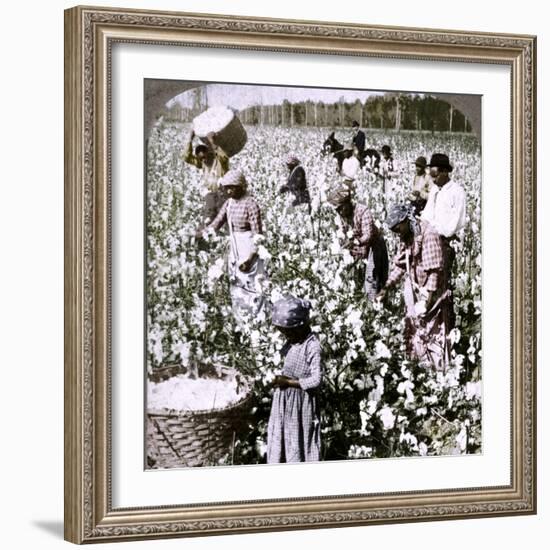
(195, 420)
(223, 123)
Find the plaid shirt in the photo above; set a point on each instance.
(426, 257)
(364, 231)
(244, 213)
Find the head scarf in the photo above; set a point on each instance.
(234, 177)
(291, 159)
(402, 212)
(339, 197)
(290, 312)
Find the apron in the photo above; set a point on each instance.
(245, 287)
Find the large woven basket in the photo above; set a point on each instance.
(230, 133)
(195, 438)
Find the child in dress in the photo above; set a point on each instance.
(294, 431)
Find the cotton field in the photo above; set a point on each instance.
(374, 403)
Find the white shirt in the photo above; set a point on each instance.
(446, 208)
(350, 167)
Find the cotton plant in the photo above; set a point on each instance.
(376, 403)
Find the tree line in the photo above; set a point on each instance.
(389, 111)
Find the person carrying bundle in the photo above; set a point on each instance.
(214, 164)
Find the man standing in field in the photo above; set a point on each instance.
(296, 183)
(359, 140)
(445, 210)
(420, 263)
(421, 185)
(214, 164)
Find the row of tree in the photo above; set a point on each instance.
(389, 111)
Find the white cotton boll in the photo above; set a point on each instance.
(263, 253)
(310, 244)
(347, 257)
(473, 390)
(462, 439)
(381, 351)
(387, 417)
(422, 449)
(454, 336)
(404, 386)
(335, 248)
(183, 349)
(215, 271)
(276, 295)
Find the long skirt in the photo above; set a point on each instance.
(426, 334)
(245, 287)
(294, 428)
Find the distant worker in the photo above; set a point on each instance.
(296, 183)
(421, 185)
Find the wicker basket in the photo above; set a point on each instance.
(194, 438)
(230, 133)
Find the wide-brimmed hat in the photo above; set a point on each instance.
(421, 161)
(440, 160)
(354, 124)
(290, 312)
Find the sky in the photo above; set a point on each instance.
(240, 96)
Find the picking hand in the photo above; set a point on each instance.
(381, 295)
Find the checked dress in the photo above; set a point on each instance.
(294, 431)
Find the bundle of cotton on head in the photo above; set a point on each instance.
(230, 134)
(214, 119)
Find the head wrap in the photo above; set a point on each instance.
(234, 177)
(339, 196)
(402, 212)
(291, 159)
(290, 312)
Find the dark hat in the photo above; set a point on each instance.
(354, 123)
(421, 161)
(440, 160)
(290, 312)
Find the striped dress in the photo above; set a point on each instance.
(294, 430)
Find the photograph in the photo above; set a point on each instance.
(300, 273)
(313, 274)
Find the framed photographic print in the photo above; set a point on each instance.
(300, 274)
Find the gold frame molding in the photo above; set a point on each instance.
(89, 35)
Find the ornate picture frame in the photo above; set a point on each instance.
(90, 34)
